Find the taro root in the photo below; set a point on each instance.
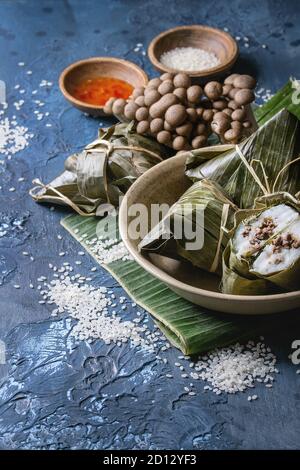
(200, 129)
(151, 96)
(232, 135)
(180, 93)
(232, 93)
(156, 125)
(176, 115)
(199, 112)
(142, 114)
(118, 106)
(140, 101)
(237, 125)
(238, 115)
(154, 83)
(181, 80)
(194, 93)
(179, 143)
(139, 91)
(159, 108)
(192, 114)
(167, 126)
(130, 110)
(199, 141)
(226, 89)
(167, 76)
(244, 81)
(220, 123)
(142, 127)
(213, 90)
(164, 137)
(220, 104)
(233, 105)
(227, 111)
(230, 79)
(185, 129)
(165, 87)
(108, 106)
(244, 96)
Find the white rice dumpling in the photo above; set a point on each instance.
(264, 247)
(252, 234)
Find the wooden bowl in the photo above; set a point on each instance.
(165, 183)
(210, 39)
(95, 67)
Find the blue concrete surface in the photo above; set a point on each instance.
(55, 394)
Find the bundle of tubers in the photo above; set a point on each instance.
(182, 116)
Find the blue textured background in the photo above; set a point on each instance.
(55, 394)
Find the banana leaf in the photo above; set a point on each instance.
(103, 171)
(287, 97)
(270, 149)
(193, 228)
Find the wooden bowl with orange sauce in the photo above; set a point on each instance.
(86, 84)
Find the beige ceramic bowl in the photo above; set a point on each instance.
(98, 67)
(164, 183)
(222, 44)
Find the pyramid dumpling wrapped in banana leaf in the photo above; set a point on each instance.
(270, 149)
(265, 248)
(193, 227)
(103, 171)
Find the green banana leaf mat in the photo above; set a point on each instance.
(191, 328)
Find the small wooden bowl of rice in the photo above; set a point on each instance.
(200, 51)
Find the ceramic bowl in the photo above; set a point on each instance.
(95, 67)
(210, 39)
(165, 183)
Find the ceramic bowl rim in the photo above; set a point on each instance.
(70, 68)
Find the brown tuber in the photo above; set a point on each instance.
(220, 104)
(156, 125)
(167, 76)
(159, 108)
(213, 90)
(166, 87)
(164, 137)
(181, 80)
(108, 106)
(118, 106)
(244, 96)
(151, 96)
(244, 81)
(179, 143)
(154, 83)
(238, 115)
(194, 93)
(176, 115)
(192, 114)
(180, 93)
(139, 91)
(142, 114)
(185, 129)
(232, 135)
(130, 110)
(230, 79)
(142, 127)
(207, 115)
(199, 141)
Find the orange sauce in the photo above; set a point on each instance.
(99, 89)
